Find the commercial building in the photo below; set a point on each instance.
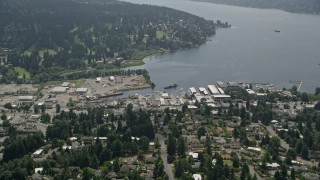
(81, 90)
(213, 89)
(203, 91)
(25, 99)
(59, 90)
(221, 97)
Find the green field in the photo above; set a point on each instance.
(29, 51)
(140, 55)
(78, 41)
(160, 34)
(22, 71)
(50, 51)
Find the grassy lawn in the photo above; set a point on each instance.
(91, 51)
(50, 51)
(108, 25)
(78, 41)
(160, 34)
(22, 71)
(29, 51)
(227, 162)
(145, 38)
(140, 55)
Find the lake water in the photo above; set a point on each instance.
(250, 51)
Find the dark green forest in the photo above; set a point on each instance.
(64, 36)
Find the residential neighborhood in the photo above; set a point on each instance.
(230, 132)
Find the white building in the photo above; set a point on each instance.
(197, 177)
(59, 90)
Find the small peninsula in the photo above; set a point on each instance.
(56, 40)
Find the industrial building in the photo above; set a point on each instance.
(213, 89)
(81, 90)
(59, 90)
(25, 99)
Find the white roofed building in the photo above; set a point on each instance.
(59, 90)
(81, 90)
(213, 89)
(25, 99)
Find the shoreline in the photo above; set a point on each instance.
(258, 7)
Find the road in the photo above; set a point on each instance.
(253, 172)
(163, 154)
(287, 147)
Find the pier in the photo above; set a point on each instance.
(298, 83)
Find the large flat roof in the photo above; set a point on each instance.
(26, 98)
(213, 89)
(59, 89)
(81, 90)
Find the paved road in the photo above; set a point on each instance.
(253, 172)
(163, 154)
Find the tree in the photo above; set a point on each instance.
(179, 169)
(3, 117)
(299, 146)
(181, 146)
(317, 91)
(159, 168)
(36, 109)
(277, 176)
(171, 147)
(284, 171)
(305, 153)
(58, 108)
(235, 162)
(236, 132)
(43, 109)
(87, 173)
(304, 97)
(116, 165)
(144, 143)
(317, 106)
(293, 174)
(45, 118)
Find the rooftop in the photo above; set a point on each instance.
(59, 89)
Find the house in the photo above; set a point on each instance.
(151, 146)
(220, 140)
(102, 139)
(197, 177)
(194, 155)
(38, 153)
(273, 166)
(254, 149)
(65, 84)
(66, 147)
(111, 78)
(48, 103)
(38, 170)
(98, 79)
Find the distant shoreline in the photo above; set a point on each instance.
(243, 4)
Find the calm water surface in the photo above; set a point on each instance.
(251, 51)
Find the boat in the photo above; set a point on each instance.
(170, 86)
(276, 31)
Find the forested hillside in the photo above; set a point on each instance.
(59, 35)
(297, 6)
